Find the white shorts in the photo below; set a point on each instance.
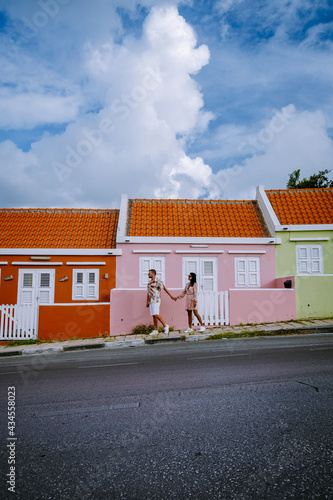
(154, 308)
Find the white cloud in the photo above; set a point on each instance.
(297, 141)
(31, 109)
(136, 122)
(136, 142)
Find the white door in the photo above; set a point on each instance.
(36, 286)
(206, 270)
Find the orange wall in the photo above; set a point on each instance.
(63, 290)
(65, 322)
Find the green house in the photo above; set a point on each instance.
(303, 220)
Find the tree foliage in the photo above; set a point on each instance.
(319, 180)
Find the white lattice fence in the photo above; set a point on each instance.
(213, 308)
(18, 322)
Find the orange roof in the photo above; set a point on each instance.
(302, 206)
(196, 218)
(57, 228)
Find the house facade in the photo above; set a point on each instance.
(226, 243)
(303, 220)
(57, 267)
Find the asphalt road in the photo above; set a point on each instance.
(230, 419)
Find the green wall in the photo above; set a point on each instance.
(314, 293)
(314, 296)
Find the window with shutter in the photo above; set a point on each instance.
(85, 284)
(309, 259)
(247, 272)
(27, 279)
(205, 269)
(146, 263)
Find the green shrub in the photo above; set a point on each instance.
(142, 329)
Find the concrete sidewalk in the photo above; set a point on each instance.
(283, 328)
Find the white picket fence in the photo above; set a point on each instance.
(213, 308)
(18, 322)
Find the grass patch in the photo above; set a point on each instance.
(14, 343)
(232, 335)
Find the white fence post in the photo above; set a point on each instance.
(213, 308)
(18, 321)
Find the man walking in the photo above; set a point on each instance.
(154, 288)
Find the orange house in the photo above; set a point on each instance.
(57, 267)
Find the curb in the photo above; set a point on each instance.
(81, 347)
(123, 343)
(165, 340)
(150, 341)
(10, 353)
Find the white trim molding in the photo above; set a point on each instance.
(309, 239)
(200, 251)
(122, 221)
(49, 264)
(60, 251)
(260, 289)
(200, 240)
(78, 304)
(91, 263)
(305, 227)
(267, 209)
(151, 251)
(247, 251)
(4, 263)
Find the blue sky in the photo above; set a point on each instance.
(192, 99)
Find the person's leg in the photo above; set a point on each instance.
(198, 316)
(189, 317)
(157, 318)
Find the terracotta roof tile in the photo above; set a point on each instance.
(195, 218)
(58, 228)
(302, 206)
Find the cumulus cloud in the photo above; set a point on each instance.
(136, 142)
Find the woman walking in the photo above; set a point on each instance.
(191, 292)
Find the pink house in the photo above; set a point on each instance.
(226, 243)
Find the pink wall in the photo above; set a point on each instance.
(128, 263)
(128, 309)
(262, 305)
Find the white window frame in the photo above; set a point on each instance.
(247, 272)
(199, 266)
(86, 294)
(306, 264)
(146, 263)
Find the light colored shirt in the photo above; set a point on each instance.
(154, 289)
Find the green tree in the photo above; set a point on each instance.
(319, 180)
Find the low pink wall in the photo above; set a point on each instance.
(262, 305)
(128, 309)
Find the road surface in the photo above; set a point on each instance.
(229, 419)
